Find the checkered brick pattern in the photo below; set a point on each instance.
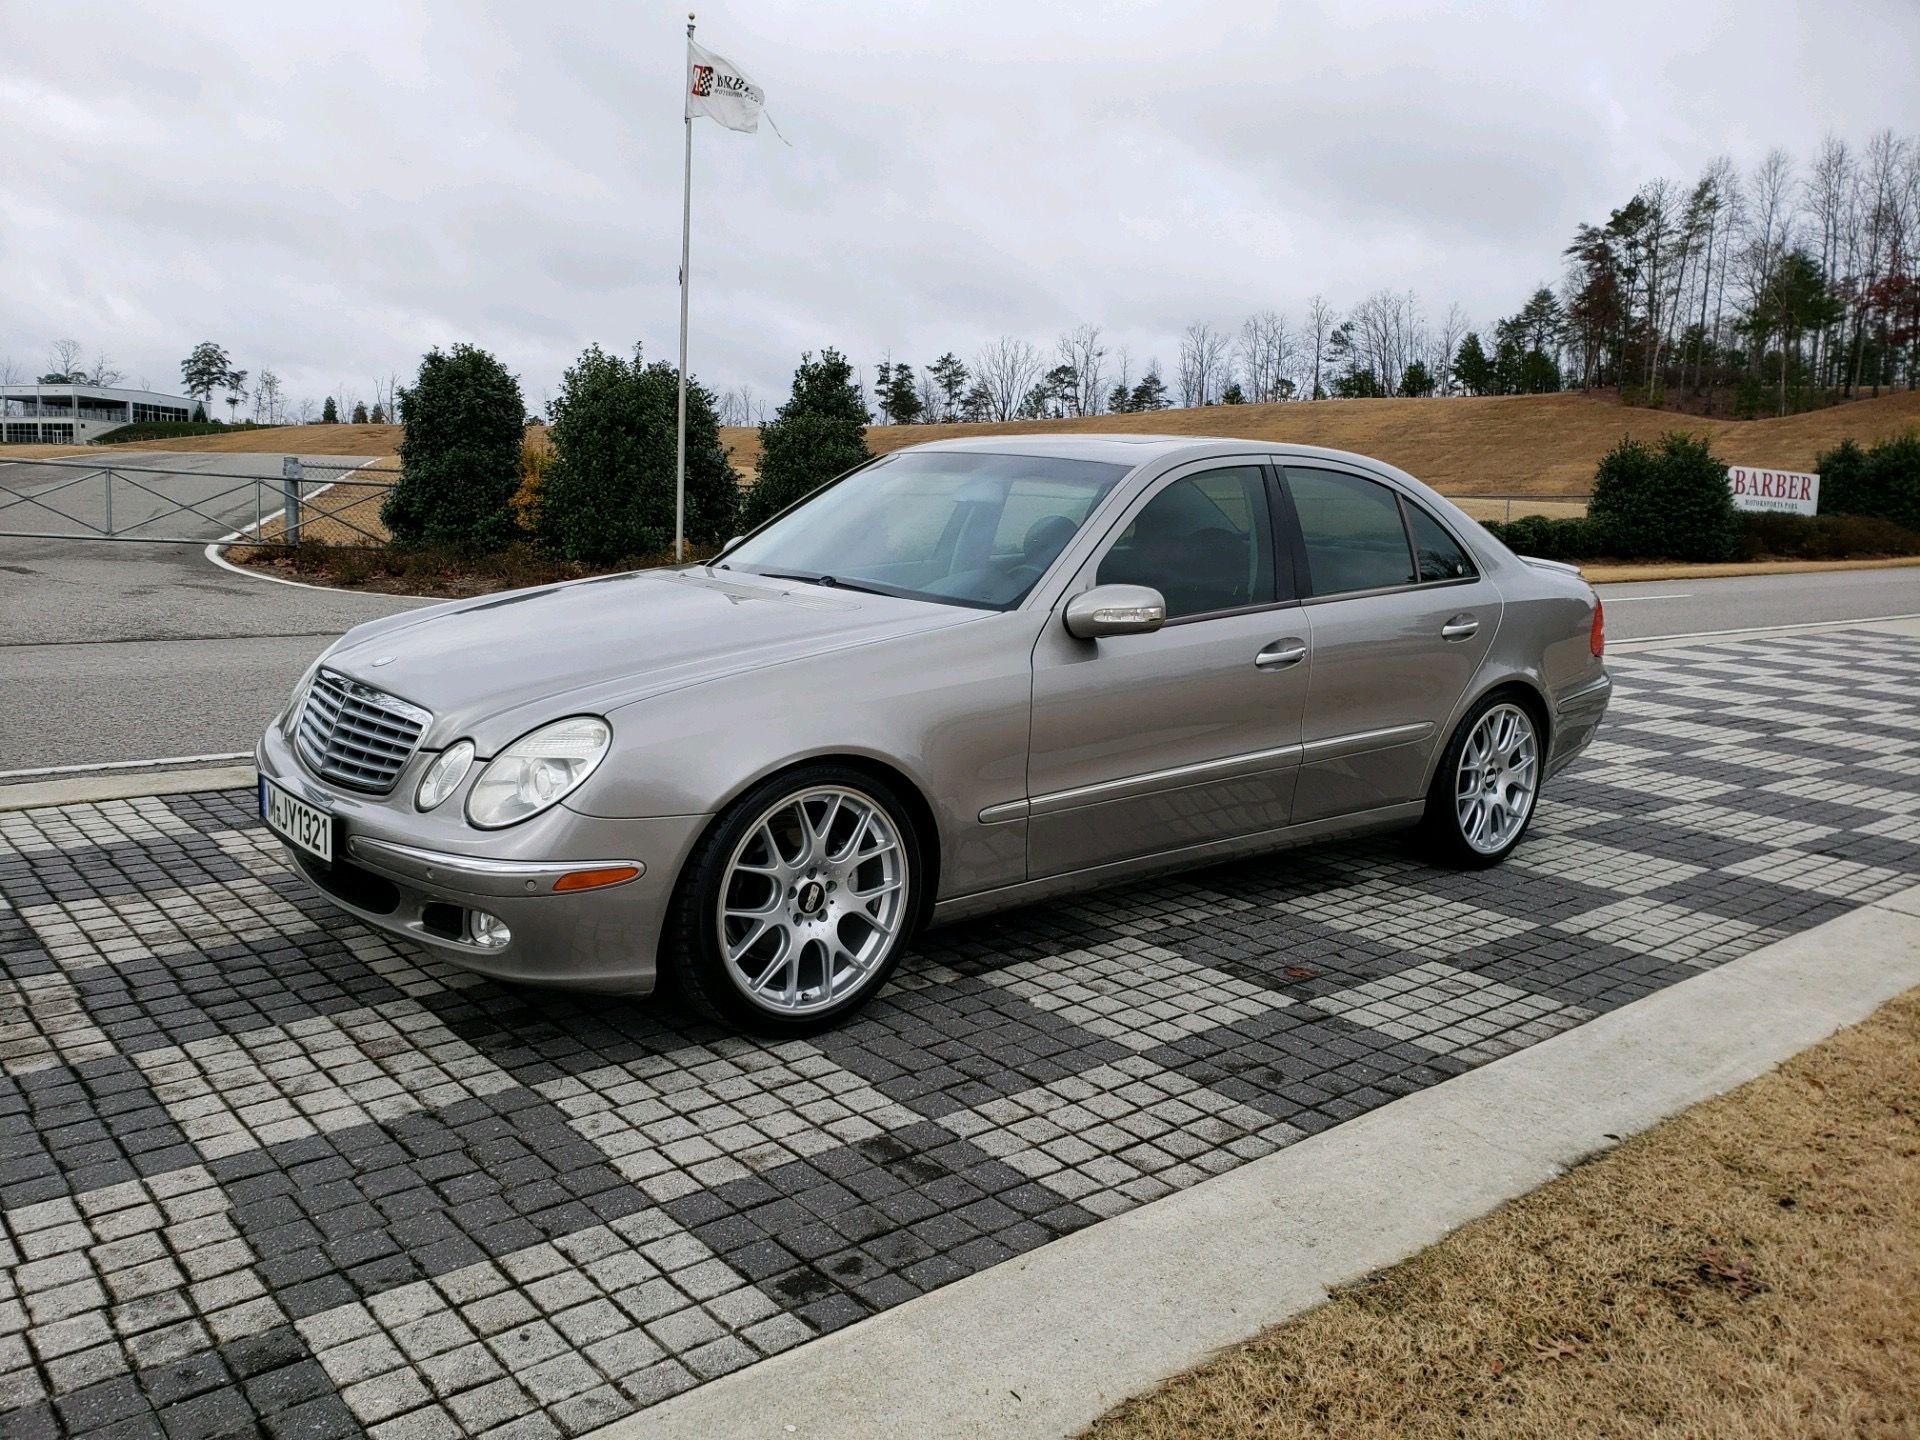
(262, 1168)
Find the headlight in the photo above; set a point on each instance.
(537, 770)
(444, 775)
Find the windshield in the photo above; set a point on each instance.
(948, 525)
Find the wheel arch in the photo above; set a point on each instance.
(925, 823)
(1526, 688)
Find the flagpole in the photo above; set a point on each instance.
(686, 236)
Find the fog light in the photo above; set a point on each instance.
(489, 932)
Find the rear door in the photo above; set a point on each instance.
(1399, 621)
(1148, 743)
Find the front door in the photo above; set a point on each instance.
(1150, 743)
(1400, 621)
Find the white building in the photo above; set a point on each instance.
(75, 414)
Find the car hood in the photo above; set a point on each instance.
(492, 668)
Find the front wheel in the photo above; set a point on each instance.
(1484, 789)
(794, 908)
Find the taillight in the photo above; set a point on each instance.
(1597, 636)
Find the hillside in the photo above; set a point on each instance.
(1504, 445)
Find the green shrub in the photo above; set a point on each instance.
(1766, 536)
(170, 430)
(819, 433)
(1667, 501)
(606, 493)
(1570, 537)
(1882, 482)
(459, 453)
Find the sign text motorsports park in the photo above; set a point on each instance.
(1782, 491)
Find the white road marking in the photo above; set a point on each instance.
(1770, 629)
(1629, 599)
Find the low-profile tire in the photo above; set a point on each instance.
(795, 905)
(1487, 784)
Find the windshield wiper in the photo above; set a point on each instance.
(828, 581)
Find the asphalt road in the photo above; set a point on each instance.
(114, 651)
(1686, 607)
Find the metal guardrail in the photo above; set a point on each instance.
(147, 505)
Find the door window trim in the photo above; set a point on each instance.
(1304, 570)
(1285, 572)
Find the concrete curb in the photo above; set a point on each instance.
(90, 789)
(1042, 1345)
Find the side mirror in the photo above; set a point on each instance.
(1115, 610)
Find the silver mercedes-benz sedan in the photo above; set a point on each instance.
(963, 677)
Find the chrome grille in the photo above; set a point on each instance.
(357, 735)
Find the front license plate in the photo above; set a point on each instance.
(303, 826)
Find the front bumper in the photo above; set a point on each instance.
(420, 878)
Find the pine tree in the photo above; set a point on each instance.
(359, 412)
(819, 433)
(329, 413)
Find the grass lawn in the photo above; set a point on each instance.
(1749, 1268)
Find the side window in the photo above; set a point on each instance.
(1354, 536)
(1438, 553)
(1205, 542)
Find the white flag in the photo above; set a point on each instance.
(717, 89)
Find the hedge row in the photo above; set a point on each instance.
(1669, 501)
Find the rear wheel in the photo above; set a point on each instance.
(795, 907)
(1487, 782)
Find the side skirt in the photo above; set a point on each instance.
(984, 902)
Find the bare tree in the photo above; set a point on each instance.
(1321, 318)
(267, 398)
(1005, 371)
(1120, 396)
(1203, 364)
(1265, 356)
(1080, 348)
(305, 413)
(10, 371)
(64, 359)
(1388, 334)
(103, 374)
(1446, 345)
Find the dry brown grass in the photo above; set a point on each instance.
(1748, 1269)
(1519, 445)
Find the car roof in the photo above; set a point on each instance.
(1134, 450)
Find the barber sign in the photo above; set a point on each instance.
(1781, 491)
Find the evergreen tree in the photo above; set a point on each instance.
(379, 416)
(360, 412)
(1233, 394)
(459, 453)
(607, 492)
(950, 376)
(329, 413)
(1150, 393)
(818, 434)
(1472, 368)
(206, 370)
(1667, 501)
(1416, 379)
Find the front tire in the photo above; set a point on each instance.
(1486, 785)
(794, 908)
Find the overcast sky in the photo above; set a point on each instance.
(331, 189)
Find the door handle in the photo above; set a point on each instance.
(1281, 654)
(1460, 627)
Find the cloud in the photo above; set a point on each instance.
(329, 191)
